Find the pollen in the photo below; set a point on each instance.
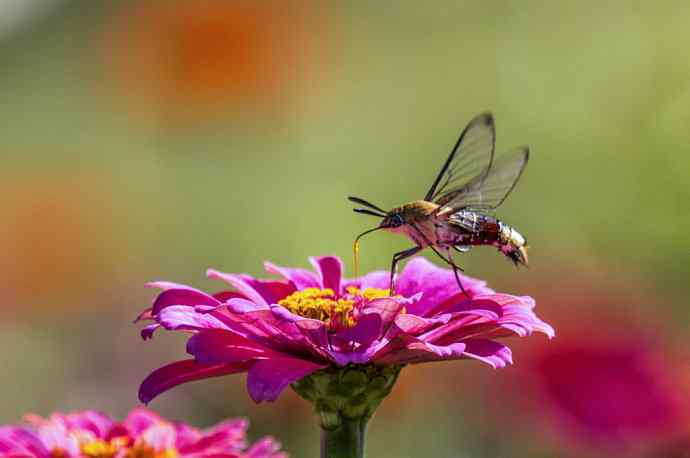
(119, 447)
(102, 449)
(324, 305)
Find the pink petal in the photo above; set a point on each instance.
(21, 443)
(493, 353)
(265, 448)
(160, 436)
(244, 306)
(215, 346)
(414, 350)
(385, 308)
(261, 292)
(139, 420)
(437, 284)
(227, 436)
(330, 271)
(166, 377)
(300, 278)
(184, 317)
(179, 296)
(364, 333)
(89, 420)
(268, 378)
(146, 315)
(165, 285)
(147, 331)
(240, 284)
(224, 296)
(379, 279)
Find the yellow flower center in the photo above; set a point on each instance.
(326, 306)
(102, 449)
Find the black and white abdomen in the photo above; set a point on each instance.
(509, 235)
(470, 228)
(512, 244)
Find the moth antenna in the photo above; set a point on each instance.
(366, 211)
(361, 201)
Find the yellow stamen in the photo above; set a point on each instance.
(102, 449)
(141, 450)
(324, 305)
(118, 446)
(369, 293)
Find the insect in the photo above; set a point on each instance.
(457, 211)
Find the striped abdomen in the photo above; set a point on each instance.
(478, 229)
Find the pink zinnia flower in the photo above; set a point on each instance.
(280, 331)
(143, 434)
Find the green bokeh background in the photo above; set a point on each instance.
(599, 90)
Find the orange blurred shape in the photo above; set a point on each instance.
(185, 58)
(54, 239)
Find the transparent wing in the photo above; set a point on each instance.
(471, 157)
(488, 190)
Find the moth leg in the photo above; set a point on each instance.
(455, 267)
(397, 257)
(455, 271)
(448, 260)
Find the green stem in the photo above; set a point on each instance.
(346, 441)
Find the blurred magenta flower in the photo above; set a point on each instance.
(611, 391)
(143, 434)
(613, 381)
(281, 331)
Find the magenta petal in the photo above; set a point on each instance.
(330, 270)
(188, 370)
(493, 353)
(239, 284)
(265, 448)
(300, 278)
(146, 315)
(147, 331)
(379, 279)
(366, 331)
(417, 351)
(413, 324)
(184, 317)
(385, 308)
(165, 285)
(224, 437)
(160, 436)
(224, 296)
(89, 420)
(139, 420)
(262, 292)
(178, 296)
(215, 346)
(268, 378)
(21, 443)
(437, 285)
(244, 306)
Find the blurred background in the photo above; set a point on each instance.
(151, 140)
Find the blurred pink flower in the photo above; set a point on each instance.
(143, 434)
(610, 391)
(280, 331)
(609, 382)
